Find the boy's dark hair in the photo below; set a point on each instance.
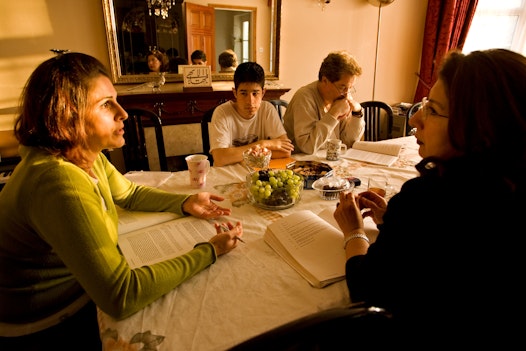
(249, 72)
(198, 54)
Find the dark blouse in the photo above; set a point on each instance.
(448, 256)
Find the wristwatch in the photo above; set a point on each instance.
(358, 114)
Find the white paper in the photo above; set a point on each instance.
(373, 152)
(164, 241)
(134, 220)
(310, 246)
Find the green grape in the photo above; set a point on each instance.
(275, 187)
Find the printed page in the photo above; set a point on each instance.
(164, 241)
(368, 224)
(315, 245)
(379, 148)
(134, 220)
(384, 154)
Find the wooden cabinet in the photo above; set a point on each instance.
(177, 107)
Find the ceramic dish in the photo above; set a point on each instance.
(311, 171)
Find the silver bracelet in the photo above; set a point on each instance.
(355, 236)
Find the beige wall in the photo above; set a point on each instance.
(308, 34)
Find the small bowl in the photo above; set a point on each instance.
(329, 188)
(257, 160)
(274, 194)
(311, 171)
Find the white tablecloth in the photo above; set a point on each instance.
(251, 289)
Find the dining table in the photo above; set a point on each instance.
(251, 289)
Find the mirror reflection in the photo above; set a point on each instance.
(142, 43)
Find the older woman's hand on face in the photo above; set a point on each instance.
(348, 214)
(200, 205)
(374, 204)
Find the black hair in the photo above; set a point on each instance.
(249, 72)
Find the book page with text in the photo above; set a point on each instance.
(370, 228)
(380, 148)
(384, 154)
(312, 242)
(134, 220)
(164, 241)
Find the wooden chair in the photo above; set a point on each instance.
(134, 151)
(373, 111)
(280, 105)
(205, 120)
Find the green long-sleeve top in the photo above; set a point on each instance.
(58, 240)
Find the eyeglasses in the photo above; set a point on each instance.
(428, 110)
(344, 90)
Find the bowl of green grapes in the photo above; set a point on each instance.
(274, 189)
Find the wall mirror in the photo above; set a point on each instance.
(250, 27)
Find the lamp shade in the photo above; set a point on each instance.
(379, 3)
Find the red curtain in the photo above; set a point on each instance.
(446, 28)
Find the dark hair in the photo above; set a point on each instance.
(338, 63)
(227, 58)
(54, 102)
(249, 72)
(172, 52)
(162, 57)
(487, 105)
(198, 54)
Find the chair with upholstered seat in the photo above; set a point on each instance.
(280, 105)
(376, 115)
(134, 151)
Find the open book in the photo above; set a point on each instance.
(383, 153)
(311, 245)
(143, 243)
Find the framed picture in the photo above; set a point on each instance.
(196, 76)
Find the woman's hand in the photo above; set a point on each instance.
(374, 204)
(348, 214)
(227, 237)
(200, 205)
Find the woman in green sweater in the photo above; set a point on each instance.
(58, 222)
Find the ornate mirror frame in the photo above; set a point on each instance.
(115, 52)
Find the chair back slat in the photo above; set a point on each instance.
(375, 113)
(134, 151)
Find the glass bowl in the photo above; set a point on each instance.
(329, 188)
(274, 189)
(257, 157)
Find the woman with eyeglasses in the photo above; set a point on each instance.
(447, 262)
(325, 109)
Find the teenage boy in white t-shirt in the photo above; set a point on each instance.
(240, 124)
